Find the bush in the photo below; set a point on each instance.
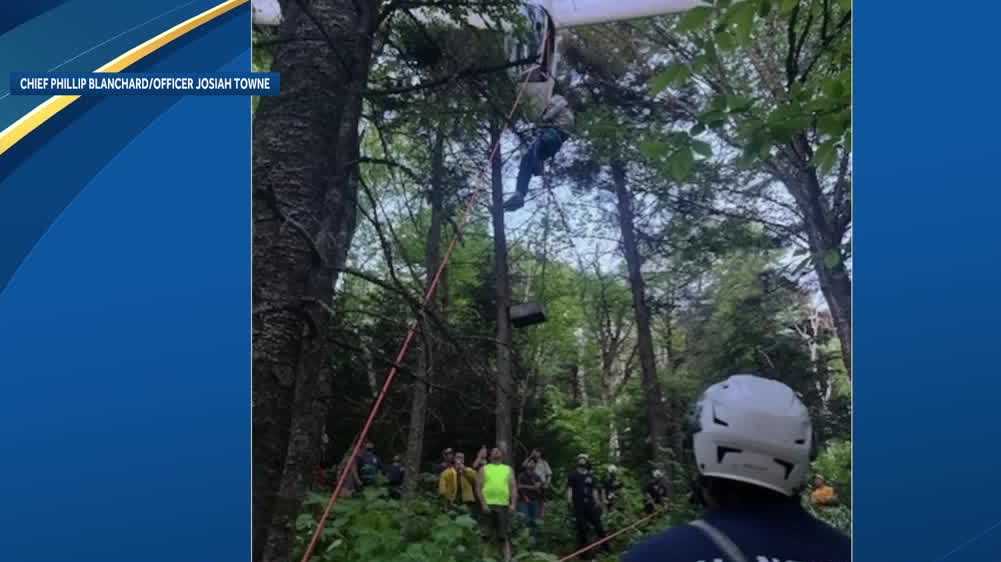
(374, 527)
(834, 465)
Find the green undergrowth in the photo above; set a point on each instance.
(372, 526)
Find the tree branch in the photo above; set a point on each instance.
(465, 73)
(842, 25)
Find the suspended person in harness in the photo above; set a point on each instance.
(582, 494)
(753, 443)
(554, 124)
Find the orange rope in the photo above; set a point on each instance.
(600, 542)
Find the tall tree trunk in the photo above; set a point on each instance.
(656, 408)
(608, 387)
(418, 407)
(505, 380)
(578, 385)
(527, 391)
(305, 180)
(825, 229)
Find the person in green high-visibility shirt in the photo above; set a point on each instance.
(498, 495)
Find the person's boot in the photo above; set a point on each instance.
(514, 203)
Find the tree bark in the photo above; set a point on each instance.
(418, 407)
(305, 180)
(578, 388)
(825, 231)
(608, 401)
(505, 382)
(656, 408)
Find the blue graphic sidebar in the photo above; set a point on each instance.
(125, 328)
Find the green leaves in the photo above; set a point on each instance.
(787, 121)
(741, 17)
(653, 149)
(834, 124)
(681, 164)
(825, 156)
(738, 104)
(674, 74)
(702, 148)
(713, 119)
(695, 19)
(726, 41)
(677, 150)
(787, 6)
(701, 62)
(836, 87)
(764, 8)
(304, 521)
(832, 258)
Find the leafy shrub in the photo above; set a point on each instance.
(834, 465)
(372, 526)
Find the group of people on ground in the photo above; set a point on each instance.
(489, 490)
(752, 440)
(365, 472)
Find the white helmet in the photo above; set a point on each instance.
(753, 430)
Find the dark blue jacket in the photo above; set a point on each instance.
(782, 532)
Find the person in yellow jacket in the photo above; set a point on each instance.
(498, 495)
(457, 484)
(447, 485)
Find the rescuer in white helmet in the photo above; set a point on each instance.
(753, 443)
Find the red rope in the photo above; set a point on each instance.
(600, 542)
(391, 375)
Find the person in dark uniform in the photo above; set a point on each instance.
(582, 493)
(656, 492)
(369, 465)
(395, 473)
(611, 487)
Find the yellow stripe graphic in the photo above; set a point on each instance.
(34, 118)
